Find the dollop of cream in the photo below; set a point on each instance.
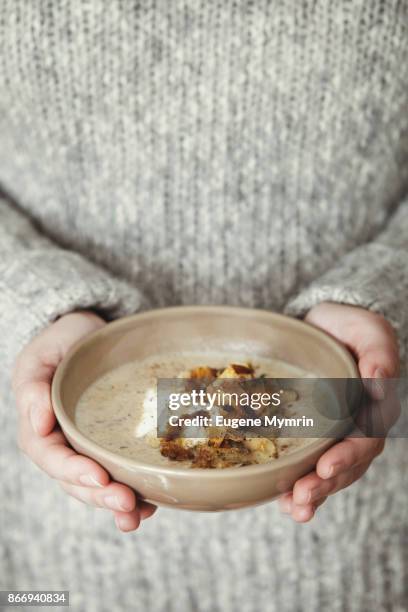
(148, 421)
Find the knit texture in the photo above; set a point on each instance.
(225, 152)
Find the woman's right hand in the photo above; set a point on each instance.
(42, 440)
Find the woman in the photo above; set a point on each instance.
(201, 152)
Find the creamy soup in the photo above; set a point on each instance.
(118, 411)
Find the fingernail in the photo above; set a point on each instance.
(303, 514)
(114, 504)
(332, 470)
(380, 373)
(35, 415)
(89, 481)
(124, 523)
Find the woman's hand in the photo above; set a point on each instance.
(41, 439)
(373, 342)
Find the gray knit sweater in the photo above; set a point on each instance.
(198, 151)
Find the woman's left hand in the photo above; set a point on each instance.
(373, 342)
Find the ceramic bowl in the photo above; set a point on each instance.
(259, 333)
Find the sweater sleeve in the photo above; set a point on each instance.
(39, 281)
(374, 276)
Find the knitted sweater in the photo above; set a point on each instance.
(231, 152)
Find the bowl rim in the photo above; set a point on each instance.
(134, 465)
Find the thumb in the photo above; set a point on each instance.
(38, 361)
(32, 386)
(378, 355)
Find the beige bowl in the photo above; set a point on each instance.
(255, 332)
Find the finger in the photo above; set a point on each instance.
(303, 514)
(323, 488)
(375, 387)
(369, 337)
(380, 409)
(146, 509)
(285, 503)
(346, 454)
(36, 365)
(53, 455)
(114, 496)
(127, 521)
(342, 481)
(320, 502)
(378, 355)
(379, 364)
(34, 400)
(307, 490)
(287, 506)
(32, 385)
(37, 362)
